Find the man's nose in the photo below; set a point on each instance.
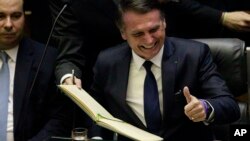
(8, 25)
(149, 39)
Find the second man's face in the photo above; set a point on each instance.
(11, 23)
(145, 33)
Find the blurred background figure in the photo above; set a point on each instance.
(83, 30)
(209, 19)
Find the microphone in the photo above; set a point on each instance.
(66, 3)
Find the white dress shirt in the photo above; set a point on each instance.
(137, 74)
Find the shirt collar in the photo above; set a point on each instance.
(156, 60)
(12, 53)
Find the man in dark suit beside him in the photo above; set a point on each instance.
(165, 85)
(84, 29)
(27, 115)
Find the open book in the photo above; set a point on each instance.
(103, 118)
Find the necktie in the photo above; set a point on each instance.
(151, 100)
(4, 95)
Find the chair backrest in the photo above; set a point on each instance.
(229, 56)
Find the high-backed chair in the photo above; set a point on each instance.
(233, 62)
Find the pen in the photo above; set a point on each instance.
(73, 76)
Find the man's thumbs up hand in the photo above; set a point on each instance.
(194, 109)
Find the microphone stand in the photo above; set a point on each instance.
(46, 48)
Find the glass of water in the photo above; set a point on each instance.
(79, 134)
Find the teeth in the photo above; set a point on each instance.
(147, 47)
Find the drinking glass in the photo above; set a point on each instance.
(79, 134)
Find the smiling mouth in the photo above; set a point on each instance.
(150, 46)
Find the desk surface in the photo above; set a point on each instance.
(56, 138)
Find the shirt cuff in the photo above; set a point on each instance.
(64, 77)
(209, 111)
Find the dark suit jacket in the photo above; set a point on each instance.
(191, 18)
(184, 63)
(37, 115)
(83, 30)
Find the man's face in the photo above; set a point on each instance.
(11, 23)
(145, 33)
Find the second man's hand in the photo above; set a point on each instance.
(237, 20)
(73, 81)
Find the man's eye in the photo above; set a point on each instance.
(137, 34)
(154, 30)
(2, 16)
(16, 16)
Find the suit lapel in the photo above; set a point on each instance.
(169, 68)
(22, 79)
(123, 79)
(123, 71)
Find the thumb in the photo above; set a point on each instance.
(187, 94)
(78, 83)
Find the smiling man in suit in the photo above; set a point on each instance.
(27, 114)
(167, 86)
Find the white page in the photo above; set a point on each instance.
(85, 101)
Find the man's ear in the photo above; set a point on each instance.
(124, 37)
(165, 24)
